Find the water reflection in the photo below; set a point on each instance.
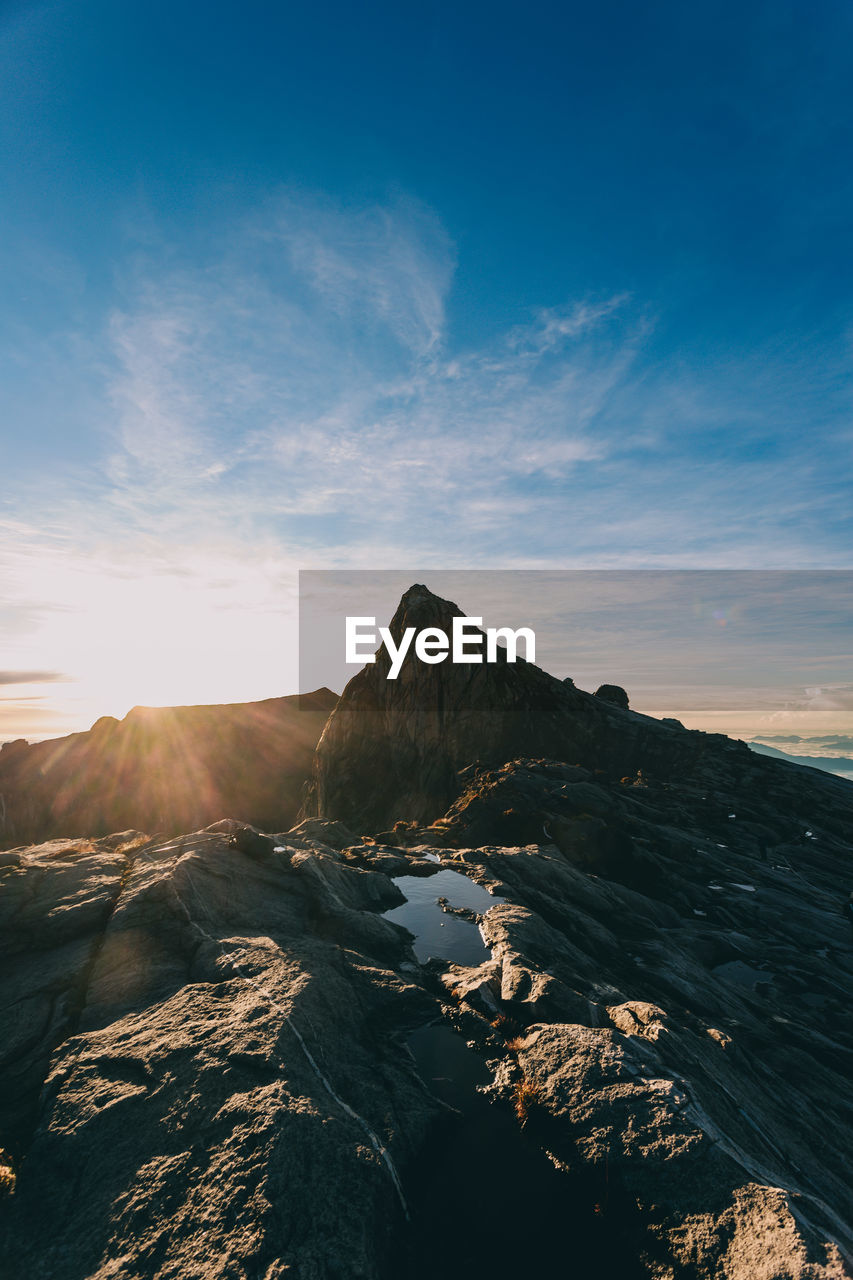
(438, 933)
(486, 1202)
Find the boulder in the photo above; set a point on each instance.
(615, 694)
(612, 1103)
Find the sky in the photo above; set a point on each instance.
(468, 286)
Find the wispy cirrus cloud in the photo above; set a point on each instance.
(294, 391)
(384, 267)
(305, 370)
(308, 368)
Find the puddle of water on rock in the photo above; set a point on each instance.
(437, 933)
(485, 1200)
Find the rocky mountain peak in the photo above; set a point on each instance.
(392, 748)
(420, 607)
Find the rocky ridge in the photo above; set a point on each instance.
(210, 1072)
(167, 769)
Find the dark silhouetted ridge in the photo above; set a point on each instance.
(164, 769)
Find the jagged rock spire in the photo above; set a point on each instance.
(392, 748)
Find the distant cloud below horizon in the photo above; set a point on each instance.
(819, 745)
(840, 766)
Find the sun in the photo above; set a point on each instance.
(203, 635)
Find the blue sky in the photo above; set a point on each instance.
(367, 286)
